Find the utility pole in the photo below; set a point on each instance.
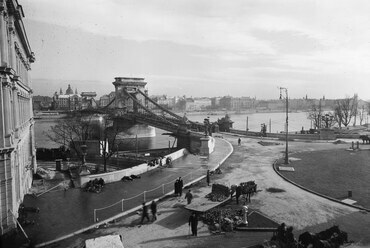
(286, 124)
(247, 125)
(270, 125)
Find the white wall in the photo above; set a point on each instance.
(116, 176)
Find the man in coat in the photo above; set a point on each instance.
(181, 185)
(176, 187)
(193, 222)
(238, 193)
(145, 213)
(153, 207)
(189, 196)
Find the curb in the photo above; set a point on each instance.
(316, 193)
(132, 209)
(271, 138)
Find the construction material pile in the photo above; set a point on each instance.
(228, 218)
(219, 193)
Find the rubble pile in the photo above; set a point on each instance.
(229, 218)
(219, 193)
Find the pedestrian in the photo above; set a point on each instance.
(193, 222)
(239, 141)
(153, 207)
(145, 213)
(181, 185)
(281, 233)
(176, 187)
(238, 192)
(189, 196)
(208, 179)
(289, 237)
(248, 195)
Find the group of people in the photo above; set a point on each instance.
(145, 215)
(179, 184)
(285, 235)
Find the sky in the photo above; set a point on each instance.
(202, 48)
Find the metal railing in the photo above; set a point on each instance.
(125, 204)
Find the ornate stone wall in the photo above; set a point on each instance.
(17, 145)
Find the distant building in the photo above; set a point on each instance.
(17, 138)
(104, 101)
(225, 102)
(73, 101)
(242, 103)
(42, 103)
(109, 99)
(215, 102)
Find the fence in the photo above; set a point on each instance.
(123, 205)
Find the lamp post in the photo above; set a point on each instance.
(286, 124)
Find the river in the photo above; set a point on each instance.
(296, 120)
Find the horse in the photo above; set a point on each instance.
(334, 234)
(330, 238)
(365, 139)
(308, 239)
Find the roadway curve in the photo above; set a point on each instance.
(250, 161)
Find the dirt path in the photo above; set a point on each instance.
(250, 161)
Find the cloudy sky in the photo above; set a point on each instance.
(203, 48)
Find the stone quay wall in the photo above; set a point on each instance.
(116, 176)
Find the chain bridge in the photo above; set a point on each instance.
(133, 105)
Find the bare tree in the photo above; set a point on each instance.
(344, 110)
(108, 140)
(72, 131)
(338, 114)
(362, 114)
(315, 115)
(355, 108)
(80, 127)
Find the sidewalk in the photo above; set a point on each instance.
(65, 212)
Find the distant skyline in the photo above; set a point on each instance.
(203, 48)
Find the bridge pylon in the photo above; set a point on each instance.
(132, 86)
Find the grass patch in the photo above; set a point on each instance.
(334, 173)
(274, 190)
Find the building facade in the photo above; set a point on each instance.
(72, 101)
(17, 144)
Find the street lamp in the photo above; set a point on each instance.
(286, 124)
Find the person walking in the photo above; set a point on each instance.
(193, 222)
(145, 213)
(208, 179)
(238, 192)
(176, 187)
(189, 197)
(239, 141)
(153, 207)
(181, 185)
(289, 237)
